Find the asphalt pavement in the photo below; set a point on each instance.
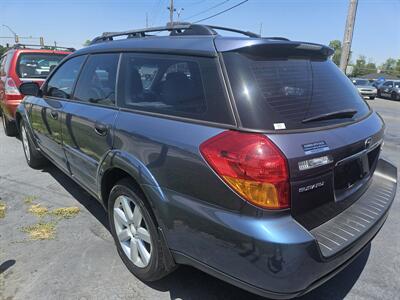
(78, 260)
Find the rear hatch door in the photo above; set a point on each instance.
(294, 93)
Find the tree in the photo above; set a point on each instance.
(2, 50)
(397, 68)
(360, 67)
(337, 46)
(87, 43)
(391, 66)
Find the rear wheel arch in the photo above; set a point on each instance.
(115, 174)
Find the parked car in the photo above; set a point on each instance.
(365, 87)
(20, 64)
(253, 159)
(390, 89)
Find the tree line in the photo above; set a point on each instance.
(362, 66)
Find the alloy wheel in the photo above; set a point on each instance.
(132, 231)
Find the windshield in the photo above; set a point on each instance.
(361, 82)
(37, 65)
(279, 93)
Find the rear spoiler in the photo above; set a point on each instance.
(270, 47)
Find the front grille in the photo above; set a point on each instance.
(347, 227)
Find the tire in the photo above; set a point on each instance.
(394, 96)
(33, 157)
(10, 128)
(372, 98)
(125, 196)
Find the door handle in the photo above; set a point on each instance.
(100, 129)
(54, 114)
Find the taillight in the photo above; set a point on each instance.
(10, 87)
(251, 165)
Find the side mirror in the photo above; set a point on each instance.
(30, 89)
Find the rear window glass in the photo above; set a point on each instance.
(37, 65)
(361, 82)
(280, 93)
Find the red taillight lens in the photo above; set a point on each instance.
(11, 88)
(250, 164)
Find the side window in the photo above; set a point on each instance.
(5, 63)
(96, 84)
(173, 85)
(157, 84)
(2, 65)
(389, 83)
(62, 82)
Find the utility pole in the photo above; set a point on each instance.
(147, 20)
(171, 12)
(16, 38)
(261, 24)
(348, 35)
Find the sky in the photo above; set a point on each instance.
(72, 22)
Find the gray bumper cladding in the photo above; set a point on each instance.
(363, 216)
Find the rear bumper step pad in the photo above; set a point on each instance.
(361, 217)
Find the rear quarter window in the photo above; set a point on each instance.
(270, 91)
(172, 85)
(5, 63)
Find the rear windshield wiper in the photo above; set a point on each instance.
(345, 113)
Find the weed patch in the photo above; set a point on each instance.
(38, 210)
(65, 212)
(2, 209)
(40, 231)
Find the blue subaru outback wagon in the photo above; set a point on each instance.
(251, 158)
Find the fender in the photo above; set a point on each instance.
(140, 173)
(131, 165)
(22, 113)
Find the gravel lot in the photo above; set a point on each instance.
(81, 261)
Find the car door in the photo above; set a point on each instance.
(47, 111)
(89, 118)
(387, 88)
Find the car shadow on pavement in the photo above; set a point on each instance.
(84, 198)
(189, 283)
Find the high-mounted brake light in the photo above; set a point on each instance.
(251, 165)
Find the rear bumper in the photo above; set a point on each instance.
(270, 255)
(9, 107)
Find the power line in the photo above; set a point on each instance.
(221, 12)
(208, 9)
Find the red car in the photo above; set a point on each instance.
(20, 64)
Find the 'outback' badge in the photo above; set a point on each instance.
(315, 147)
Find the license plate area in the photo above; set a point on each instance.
(352, 173)
(348, 174)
